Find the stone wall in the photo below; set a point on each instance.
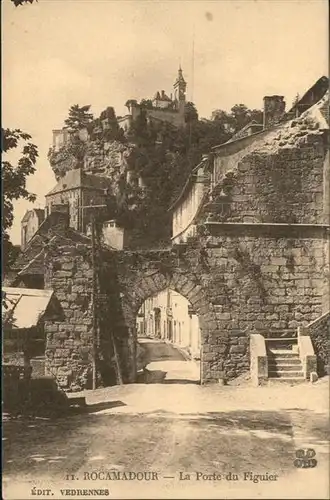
(69, 337)
(171, 116)
(249, 280)
(240, 280)
(319, 332)
(277, 178)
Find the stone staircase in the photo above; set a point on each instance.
(284, 363)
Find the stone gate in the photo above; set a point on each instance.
(240, 279)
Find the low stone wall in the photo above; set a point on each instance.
(259, 360)
(319, 331)
(307, 354)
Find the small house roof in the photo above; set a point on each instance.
(76, 178)
(24, 307)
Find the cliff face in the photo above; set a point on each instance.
(98, 157)
(108, 159)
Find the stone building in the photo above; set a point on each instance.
(256, 264)
(28, 270)
(186, 206)
(163, 108)
(30, 224)
(169, 316)
(211, 187)
(78, 189)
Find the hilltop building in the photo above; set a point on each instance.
(163, 108)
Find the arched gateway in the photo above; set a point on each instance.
(151, 283)
(125, 281)
(237, 284)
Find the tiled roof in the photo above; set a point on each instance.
(244, 131)
(31, 259)
(74, 179)
(34, 247)
(313, 94)
(71, 180)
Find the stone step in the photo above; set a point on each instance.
(285, 380)
(283, 368)
(282, 354)
(285, 374)
(283, 361)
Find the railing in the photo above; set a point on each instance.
(259, 360)
(321, 322)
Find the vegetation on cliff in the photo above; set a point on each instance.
(162, 158)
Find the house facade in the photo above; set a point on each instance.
(169, 316)
(78, 191)
(186, 208)
(30, 224)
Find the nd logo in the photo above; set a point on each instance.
(305, 458)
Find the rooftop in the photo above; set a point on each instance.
(75, 179)
(24, 307)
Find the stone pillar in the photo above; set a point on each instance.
(69, 337)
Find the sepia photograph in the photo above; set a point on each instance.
(165, 249)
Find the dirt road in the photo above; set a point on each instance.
(195, 441)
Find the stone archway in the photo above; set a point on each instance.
(150, 283)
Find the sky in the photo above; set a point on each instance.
(103, 52)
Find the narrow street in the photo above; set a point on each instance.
(166, 363)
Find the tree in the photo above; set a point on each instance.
(130, 103)
(239, 116)
(79, 118)
(146, 103)
(109, 126)
(21, 2)
(14, 181)
(190, 112)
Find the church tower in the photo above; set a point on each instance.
(180, 92)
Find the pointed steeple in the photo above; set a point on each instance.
(180, 86)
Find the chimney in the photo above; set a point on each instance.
(163, 94)
(274, 109)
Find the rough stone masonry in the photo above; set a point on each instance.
(237, 284)
(261, 265)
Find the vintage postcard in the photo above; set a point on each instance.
(165, 237)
